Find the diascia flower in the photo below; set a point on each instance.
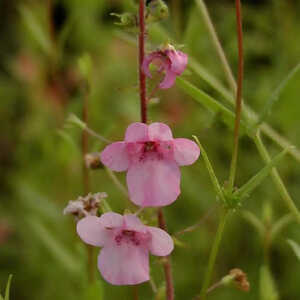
(151, 158)
(126, 242)
(169, 60)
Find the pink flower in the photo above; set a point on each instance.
(169, 60)
(152, 158)
(126, 242)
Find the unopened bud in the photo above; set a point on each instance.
(93, 161)
(157, 10)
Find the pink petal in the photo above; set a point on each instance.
(124, 264)
(136, 132)
(159, 132)
(186, 152)
(131, 222)
(115, 156)
(153, 182)
(169, 80)
(161, 243)
(179, 61)
(148, 60)
(91, 231)
(111, 220)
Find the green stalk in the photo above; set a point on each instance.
(276, 178)
(213, 254)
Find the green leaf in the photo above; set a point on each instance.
(206, 100)
(248, 187)
(7, 290)
(268, 290)
(276, 95)
(296, 247)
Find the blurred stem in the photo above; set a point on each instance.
(135, 291)
(212, 31)
(167, 262)
(176, 12)
(117, 182)
(142, 76)
(238, 107)
(198, 224)
(276, 178)
(85, 173)
(213, 254)
(210, 289)
(50, 20)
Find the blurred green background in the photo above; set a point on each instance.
(40, 157)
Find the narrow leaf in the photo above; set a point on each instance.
(7, 290)
(296, 247)
(276, 95)
(206, 100)
(248, 187)
(210, 170)
(268, 290)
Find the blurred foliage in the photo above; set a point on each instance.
(40, 85)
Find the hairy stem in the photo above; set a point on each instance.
(142, 76)
(238, 107)
(167, 263)
(213, 255)
(276, 178)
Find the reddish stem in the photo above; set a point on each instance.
(86, 178)
(238, 108)
(84, 142)
(141, 59)
(135, 292)
(167, 264)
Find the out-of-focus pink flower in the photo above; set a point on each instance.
(126, 242)
(169, 60)
(152, 158)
